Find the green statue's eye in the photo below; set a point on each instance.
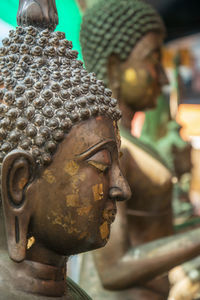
(99, 166)
(156, 57)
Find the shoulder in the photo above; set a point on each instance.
(145, 161)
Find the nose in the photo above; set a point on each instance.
(119, 188)
(163, 80)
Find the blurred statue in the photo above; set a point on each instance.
(185, 281)
(60, 175)
(84, 4)
(121, 42)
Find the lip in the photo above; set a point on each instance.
(109, 215)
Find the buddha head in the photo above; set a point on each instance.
(59, 143)
(121, 42)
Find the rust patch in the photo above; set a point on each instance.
(97, 191)
(84, 210)
(72, 200)
(106, 214)
(68, 219)
(104, 230)
(71, 230)
(22, 183)
(62, 220)
(49, 177)
(57, 221)
(71, 167)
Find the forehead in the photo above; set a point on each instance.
(150, 43)
(86, 134)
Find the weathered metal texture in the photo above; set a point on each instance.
(115, 27)
(60, 174)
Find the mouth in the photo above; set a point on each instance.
(109, 215)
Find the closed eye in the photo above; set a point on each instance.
(99, 166)
(101, 160)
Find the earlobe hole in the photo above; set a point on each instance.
(17, 233)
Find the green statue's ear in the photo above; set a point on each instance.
(18, 169)
(114, 75)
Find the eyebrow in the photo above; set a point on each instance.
(152, 50)
(94, 148)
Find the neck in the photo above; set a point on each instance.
(42, 273)
(33, 277)
(40, 279)
(44, 268)
(127, 115)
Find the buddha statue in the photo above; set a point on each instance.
(60, 175)
(121, 42)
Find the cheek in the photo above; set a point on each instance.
(140, 76)
(93, 186)
(148, 85)
(85, 195)
(146, 77)
(77, 202)
(137, 83)
(152, 74)
(130, 77)
(93, 196)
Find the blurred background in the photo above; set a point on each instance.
(69, 19)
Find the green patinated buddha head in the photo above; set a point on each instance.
(121, 42)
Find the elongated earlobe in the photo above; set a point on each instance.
(18, 171)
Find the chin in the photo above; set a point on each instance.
(98, 244)
(91, 245)
(152, 106)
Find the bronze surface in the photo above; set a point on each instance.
(59, 148)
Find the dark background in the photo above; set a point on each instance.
(181, 17)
